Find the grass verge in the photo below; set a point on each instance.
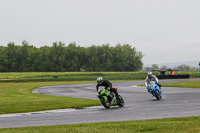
(175, 125)
(68, 76)
(21, 91)
(76, 76)
(186, 84)
(18, 98)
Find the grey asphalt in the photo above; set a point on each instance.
(139, 105)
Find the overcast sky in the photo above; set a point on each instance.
(163, 30)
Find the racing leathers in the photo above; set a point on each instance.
(152, 78)
(107, 85)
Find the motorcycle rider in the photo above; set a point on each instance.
(108, 86)
(151, 77)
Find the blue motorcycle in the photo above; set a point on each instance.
(155, 90)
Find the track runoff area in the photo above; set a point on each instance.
(139, 105)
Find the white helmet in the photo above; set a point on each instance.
(149, 74)
(99, 79)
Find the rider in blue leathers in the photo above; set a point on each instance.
(151, 77)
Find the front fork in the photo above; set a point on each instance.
(99, 96)
(113, 101)
(110, 97)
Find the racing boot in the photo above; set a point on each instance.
(110, 97)
(117, 95)
(148, 88)
(160, 90)
(159, 87)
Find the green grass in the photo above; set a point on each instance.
(76, 76)
(13, 75)
(69, 76)
(174, 125)
(187, 84)
(18, 98)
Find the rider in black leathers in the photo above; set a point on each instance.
(107, 85)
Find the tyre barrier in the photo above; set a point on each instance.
(182, 76)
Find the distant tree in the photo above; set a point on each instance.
(154, 66)
(183, 68)
(24, 58)
(41, 59)
(60, 58)
(74, 62)
(193, 69)
(164, 67)
(92, 59)
(3, 60)
(147, 69)
(126, 58)
(11, 55)
(105, 56)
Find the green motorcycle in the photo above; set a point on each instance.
(108, 98)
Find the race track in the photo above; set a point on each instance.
(139, 105)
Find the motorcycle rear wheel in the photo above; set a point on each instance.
(121, 101)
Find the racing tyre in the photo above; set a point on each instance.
(120, 101)
(106, 104)
(157, 95)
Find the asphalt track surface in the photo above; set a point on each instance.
(139, 105)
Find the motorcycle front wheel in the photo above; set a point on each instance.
(106, 104)
(157, 95)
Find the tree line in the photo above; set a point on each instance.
(72, 58)
(182, 67)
